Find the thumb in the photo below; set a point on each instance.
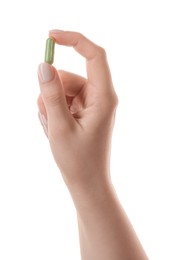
(52, 92)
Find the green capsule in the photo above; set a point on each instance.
(49, 51)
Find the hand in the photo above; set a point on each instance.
(78, 117)
(79, 113)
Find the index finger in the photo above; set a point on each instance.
(98, 71)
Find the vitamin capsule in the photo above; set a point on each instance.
(49, 51)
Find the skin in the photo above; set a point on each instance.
(77, 115)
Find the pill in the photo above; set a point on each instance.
(49, 50)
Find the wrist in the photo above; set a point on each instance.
(81, 179)
(90, 193)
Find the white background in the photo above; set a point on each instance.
(146, 47)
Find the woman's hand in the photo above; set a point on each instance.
(79, 112)
(78, 116)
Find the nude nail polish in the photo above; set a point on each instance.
(45, 72)
(43, 122)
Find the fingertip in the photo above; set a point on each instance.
(46, 72)
(55, 31)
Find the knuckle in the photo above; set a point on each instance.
(78, 34)
(112, 102)
(78, 37)
(108, 107)
(53, 99)
(102, 51)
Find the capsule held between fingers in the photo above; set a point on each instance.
(49, 50)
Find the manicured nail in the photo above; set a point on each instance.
(45, 72)
(43, 122)
(43, 119)
(45, 130)
(56, 31)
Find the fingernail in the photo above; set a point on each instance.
(56, 31)
(45, 72)
(45, 130)
(43, 122)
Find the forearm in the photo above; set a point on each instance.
(104, 229)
